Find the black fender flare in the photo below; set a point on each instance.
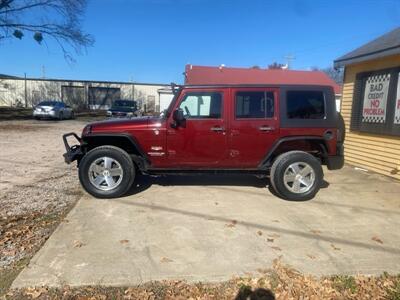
(131, 139)
(265, 162)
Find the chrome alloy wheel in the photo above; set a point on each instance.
(105, 173)
(299, 177)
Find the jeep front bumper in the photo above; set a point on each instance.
(73, 152)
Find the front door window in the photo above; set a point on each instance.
(202, 105)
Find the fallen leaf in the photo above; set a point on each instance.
(276, 248)
(124, 241)
(259, 233)
(270, 240)
(276, 221)
(376, 239)
(35, 293)
(232, 224)
(166, 260)
(274, 235)
(311, 256)
(334, 247)
(77, 244)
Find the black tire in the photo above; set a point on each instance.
(280, 166)
(115, 153)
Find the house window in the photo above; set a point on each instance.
(376, 102)
(375, 98)
(396, 120)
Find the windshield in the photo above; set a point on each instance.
(124, 103)
(166, 112)
(48, 103)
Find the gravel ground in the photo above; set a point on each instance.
(37, 188)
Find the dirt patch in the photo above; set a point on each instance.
(21, 127)
(36, 190)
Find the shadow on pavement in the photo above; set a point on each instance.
(143, 182)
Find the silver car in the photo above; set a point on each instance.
(53, 110)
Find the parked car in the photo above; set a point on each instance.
(123, 109)
(53, 110)
(286, 132)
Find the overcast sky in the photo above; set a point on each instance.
(152, 40)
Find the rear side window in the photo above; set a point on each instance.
(254, 105)
(202, 105)
(305, 105)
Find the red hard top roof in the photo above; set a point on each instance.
(202, 75)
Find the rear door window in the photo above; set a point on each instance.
(254, 105)
(305, 105)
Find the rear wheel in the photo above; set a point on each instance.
(296, 175)
(106, 172)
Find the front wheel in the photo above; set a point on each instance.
(296, 175)
(106, 172)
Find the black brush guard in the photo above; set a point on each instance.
(73, 152)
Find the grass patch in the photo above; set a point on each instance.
(8, 275)
(344, 282)
(393, 293)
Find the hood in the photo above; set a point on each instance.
(121, 125)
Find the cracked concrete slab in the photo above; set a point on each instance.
(211, 228)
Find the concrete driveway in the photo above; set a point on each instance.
(211, 228)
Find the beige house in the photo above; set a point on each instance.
(84, 94)
(371, 104)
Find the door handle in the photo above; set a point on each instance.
(217, 129)
(266, 128)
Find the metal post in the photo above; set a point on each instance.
(26, 95)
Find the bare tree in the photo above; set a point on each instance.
(275, 66)
(59, 20)
(335, 74)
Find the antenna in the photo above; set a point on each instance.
(43, 71)
(289, 59)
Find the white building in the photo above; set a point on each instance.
(83, 94)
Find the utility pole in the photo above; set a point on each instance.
(26, 94)
(289, 59)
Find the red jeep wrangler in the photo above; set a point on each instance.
(286, 132)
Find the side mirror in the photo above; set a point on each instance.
(178, 117)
